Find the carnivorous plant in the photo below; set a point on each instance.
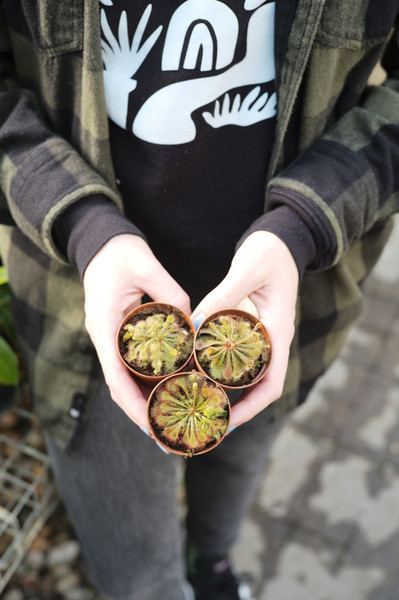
(156, 343)
(231, 349)
(189, 412)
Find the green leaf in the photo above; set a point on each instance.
(3, 276)
(9, 366)
(4, 295)
(7, 325)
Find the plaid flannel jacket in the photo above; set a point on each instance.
(54, 150)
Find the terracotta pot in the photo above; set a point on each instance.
(179, 446)
(233, 312)
(146, 310)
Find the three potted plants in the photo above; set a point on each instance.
(189, 412)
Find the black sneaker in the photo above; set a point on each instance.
(215, 580)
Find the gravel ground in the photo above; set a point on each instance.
(52, 568)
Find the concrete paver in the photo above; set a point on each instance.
(325, 523)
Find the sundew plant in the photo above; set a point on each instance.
(189, 413)
(157, 344)
(232, 349)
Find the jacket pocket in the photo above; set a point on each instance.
(55, 26)
(358, 24)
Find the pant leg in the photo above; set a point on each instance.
(222, 483)
(120, 492)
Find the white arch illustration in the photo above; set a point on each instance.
(165, 118)
(200, 39)
(219, 16)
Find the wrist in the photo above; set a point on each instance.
(85, 227)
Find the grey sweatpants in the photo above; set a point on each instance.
(121, 492)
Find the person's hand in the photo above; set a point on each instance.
(263, 271)
(114, 281)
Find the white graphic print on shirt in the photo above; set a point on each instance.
(201, 37)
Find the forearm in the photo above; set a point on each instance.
(86, 226)
(301, 226)
(41, 173)
(347, 180)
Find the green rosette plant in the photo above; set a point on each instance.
(10, 363)
(189, 413)
(233, 349)
(156, 343)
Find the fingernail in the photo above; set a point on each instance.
(230, 429)
(198, 320)
(144, 430)
(161, 447)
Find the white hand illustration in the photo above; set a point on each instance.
(166, 116)
(253, 109)
(122, 60)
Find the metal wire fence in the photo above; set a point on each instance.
(27, 492)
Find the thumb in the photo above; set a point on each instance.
(232, 292)
(163, 288)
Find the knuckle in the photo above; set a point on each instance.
(277, 391)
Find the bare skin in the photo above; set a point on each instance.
(262, 272)
(115, 280)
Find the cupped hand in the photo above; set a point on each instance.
(114, 281)
(263, 278)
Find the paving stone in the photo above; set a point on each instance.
(395, 587)
(372, 419)
(258, 547)
(344, 503)
(381, 429)
(306, 573)
(248, 552)
(325, 411)
(389, 360)
(363, 348)
(337, 377)
(293, 457)
(383, 554)
(379, 314)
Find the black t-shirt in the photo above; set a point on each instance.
(191, 99)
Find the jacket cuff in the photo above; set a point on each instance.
(303, 228)
(86, 226)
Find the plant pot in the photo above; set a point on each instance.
(188, 413)
(155, 340)
(223, 350)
